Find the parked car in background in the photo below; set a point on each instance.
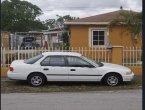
(29, 43)
(67, 66)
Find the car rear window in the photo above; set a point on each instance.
(33, 59)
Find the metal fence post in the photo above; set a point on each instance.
(18, 52)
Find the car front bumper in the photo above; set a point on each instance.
(128, 77)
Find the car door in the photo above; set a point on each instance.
(81, 70)
(55, 68)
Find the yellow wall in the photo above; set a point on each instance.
(79, 36)
(118, 36)
(4, 71)
(5, 39)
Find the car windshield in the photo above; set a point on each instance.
(33, 59)
(92, 61)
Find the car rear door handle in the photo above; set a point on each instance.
(46, 69)
(72, 70)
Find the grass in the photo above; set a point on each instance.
(23, 87)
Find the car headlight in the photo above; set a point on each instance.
(128, 72)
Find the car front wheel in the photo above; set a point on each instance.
(112, 80)
(36, 80)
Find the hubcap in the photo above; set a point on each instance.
(112, 80)
(36, 80)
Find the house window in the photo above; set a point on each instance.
(98, 37)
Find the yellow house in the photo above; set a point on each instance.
(94, 31)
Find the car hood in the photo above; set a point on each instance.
(115, 66)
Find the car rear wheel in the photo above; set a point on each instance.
(112, 80)
(36, 80)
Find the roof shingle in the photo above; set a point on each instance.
(102, 18)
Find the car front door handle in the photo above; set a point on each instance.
(72, 70)
(46, 69)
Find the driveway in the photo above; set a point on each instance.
(103, 100)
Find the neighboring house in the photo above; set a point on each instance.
(94, 31)
(53, 36)
(31, 39)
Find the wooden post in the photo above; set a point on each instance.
(4, 56)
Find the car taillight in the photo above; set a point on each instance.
(11, 69)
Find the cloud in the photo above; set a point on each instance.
(75, 4)
(83, 8)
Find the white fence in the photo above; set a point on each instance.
(98, 54)
(131, 56)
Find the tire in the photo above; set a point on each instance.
(112, 80)
(36, 80)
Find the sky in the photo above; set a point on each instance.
(82, 8)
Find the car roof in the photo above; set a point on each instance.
(62, 53)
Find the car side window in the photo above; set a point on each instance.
(53, 61)
(45, 62)
(77, 62)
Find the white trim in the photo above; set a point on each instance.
(107, 37)
(54, 32)
(105, 29)
(51, 29)
(87, 23)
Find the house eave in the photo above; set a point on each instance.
(86, 23)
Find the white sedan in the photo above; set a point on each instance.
(67, 66)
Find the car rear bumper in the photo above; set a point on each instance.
(128, 77)
(16, 76)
